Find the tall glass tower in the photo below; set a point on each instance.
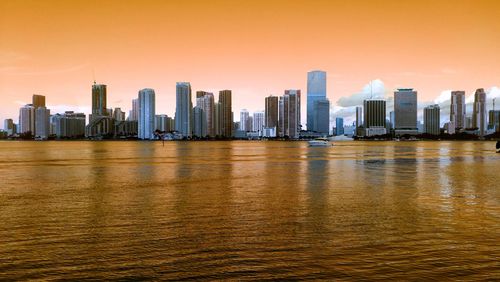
(183, 109)
(146, 123)
(316, 91)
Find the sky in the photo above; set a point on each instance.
(255, 48)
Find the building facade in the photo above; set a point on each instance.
(184, 109)
(405, 111)
(457, 109)
(225, 113)
(316, 91)
(432, 119)
(146, 123)
(479, 112)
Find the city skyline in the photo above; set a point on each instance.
(57, 56)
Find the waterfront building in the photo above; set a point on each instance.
(289, 110)
(68, 125)
(126, 128)
(258, 121)
(118, 114)
(271, 112)
(432, 119)
(468, 124)
(100, 127)
(183, 109)
(374, 117)
(450, 127)
(225, 113)
(42, 125)
(199, 122)
(479, 111)
(244, 120)
(205, 100)
(457, 109)
(405, 111)
(27, 119)
(269, 132)
(321, 116)
(146, 123)
(8, 126)
(494, 120)
(339, 126)
(316, 91)
(134, 113)
(359, 130)
(38, 101)
(161, 123)
(392, 118)
(99, 100)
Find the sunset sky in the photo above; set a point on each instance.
(255, 48)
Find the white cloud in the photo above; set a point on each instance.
(374, 89)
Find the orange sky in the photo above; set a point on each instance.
(255, 48)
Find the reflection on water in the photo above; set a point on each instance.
(249, 210)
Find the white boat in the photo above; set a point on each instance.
(498, 146)
(319, 142)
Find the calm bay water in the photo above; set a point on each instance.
(249, 210)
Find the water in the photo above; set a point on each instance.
(249, 210)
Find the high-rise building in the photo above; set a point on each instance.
(99, 100)
(8, 126)
(457, 109)
(146, 123)
(258, 121)
(206, 101)
(225, 113)
(161, 123)
(405, 111)
(432, 119)
(69, 125)
(316, 90)
(183, 109)
(199, 122)
(42, 125)
(271, 112)
(27, 119)
(359, 116)
(321, 116)
(494, 120)
(244, 120)
(479, 113)
(134, 113)
(118, 114)
(392, 119)
(339, 126)
(374, 117)
(289, 108)
(38, 101)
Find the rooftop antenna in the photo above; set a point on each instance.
(494, 104)
(93, 75)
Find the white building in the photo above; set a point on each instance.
(146, 124)
(42, 124)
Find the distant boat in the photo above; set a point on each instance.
(319, 142)
(498, 146)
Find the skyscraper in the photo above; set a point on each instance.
(199, 122)
(205, 100)
(183, 109)
(244, 120)
(316, 90)
(339, 126)
(8, 126)
(161, 123)
(42, 125)
(134, 113)
(258, 121)
(432, 119)
(374, 117)
(494, 120)
(99, 100)
(118, 114)
(226, 113)
(27, 119)
(479, 113)
(321, 116)
(38, 101)
(146, 123)
(457, 109)
(405, 111)
(271, 111)
(290, 114)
